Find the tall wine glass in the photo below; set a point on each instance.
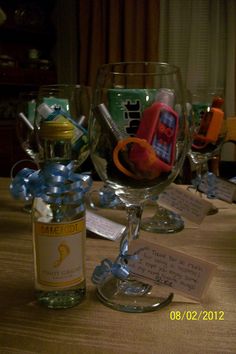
(165, 221)
(137, 146)
(209, 133)
(25, 124)
(26, 135)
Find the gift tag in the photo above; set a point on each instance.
(222, 189)
(187, 204)
(103, 226)
(160, 265)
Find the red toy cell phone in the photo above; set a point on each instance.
(158, 126)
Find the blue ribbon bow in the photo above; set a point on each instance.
(209, 179)
(55, 183)
(119, 268)
(211, 185)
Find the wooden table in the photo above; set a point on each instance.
(91, 327)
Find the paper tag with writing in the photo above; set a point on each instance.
(103, 226)
(163, 266)
(223, 190)
(187, 204)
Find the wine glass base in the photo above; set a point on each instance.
(132, 296)
(214, 210)
(165, 223)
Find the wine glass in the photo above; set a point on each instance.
(137, 145)
(209, 134)
(166, 221)
(26, 135)
(25, 124)
(74, 101)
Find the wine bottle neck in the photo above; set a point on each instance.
(57, 150)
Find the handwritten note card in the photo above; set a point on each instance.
(187, 204)
(104, 227)
(223, 190)
(161, 265)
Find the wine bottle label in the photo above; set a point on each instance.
(59, 253)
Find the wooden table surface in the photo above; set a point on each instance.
(91, 327)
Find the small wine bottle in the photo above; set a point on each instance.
(58, 224)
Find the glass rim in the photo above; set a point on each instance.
(51, 86)
(172, 68)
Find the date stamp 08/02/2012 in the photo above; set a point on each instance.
(203, 315)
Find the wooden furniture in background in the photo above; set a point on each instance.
(27, 33)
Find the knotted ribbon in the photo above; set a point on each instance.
(55, 183)
(119, 268)
(211, 185)
(101, 272)
(209, 179)
(106, 198)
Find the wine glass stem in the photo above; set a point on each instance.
(134, 214)
(201, 169)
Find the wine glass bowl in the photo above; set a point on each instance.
(209, 128)
(74, 99)
(126, 90)
(139, 137)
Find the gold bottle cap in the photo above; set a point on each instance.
(57, 129)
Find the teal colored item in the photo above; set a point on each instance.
(63, 103)
(199, 109)
(127, 105)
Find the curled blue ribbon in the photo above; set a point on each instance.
(102, 271)
(55, 183)
(108, 198)
(196, 182)
(119, 269)
(209, 180)
(211, 185)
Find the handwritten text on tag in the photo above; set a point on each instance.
(161, 265)
(104, 227)
(223, 190)
(187, 204)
